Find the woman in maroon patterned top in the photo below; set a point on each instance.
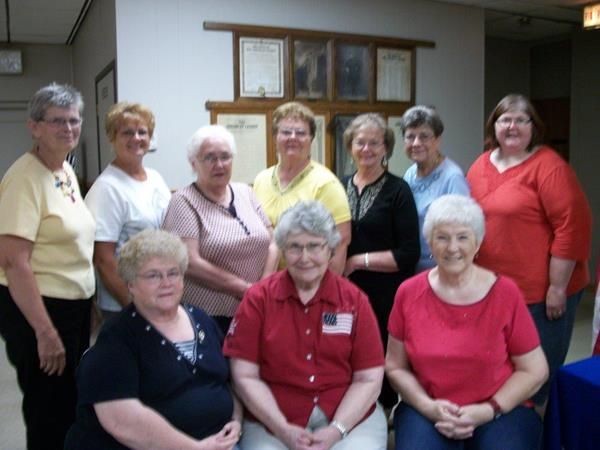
(228, 236)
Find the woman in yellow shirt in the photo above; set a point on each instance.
(46, 273)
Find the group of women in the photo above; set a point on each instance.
(306, 343)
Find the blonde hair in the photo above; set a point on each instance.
(122, 111)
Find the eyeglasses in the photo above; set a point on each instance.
(312, 248)
(130, 132)
(60, 122)
(212, 159)
(506, 122)
(289, 132)
(423, 138)
(359, 143)
(155, 277)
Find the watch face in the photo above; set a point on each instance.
(10, 62)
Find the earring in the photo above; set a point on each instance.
(384, 161)
(430, 256)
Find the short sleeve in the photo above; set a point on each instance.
(20, 206)
(522, 335)
(108, 371)
(258, 208)
(457, 184)
(243, 339)
(181, 218)
(396, 319)
(333, 196)
(108, 208)
(367, 348)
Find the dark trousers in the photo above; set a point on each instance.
(520, 429)
(48, 401)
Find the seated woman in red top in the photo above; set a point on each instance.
(306, 354)
(463, 351)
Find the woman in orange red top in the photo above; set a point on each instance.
(538, 222)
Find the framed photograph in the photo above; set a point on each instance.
(250, 133)
(352, 72)
(261, 67)
(311, 60)
(343, 161)
(393, 75)
(106, 96)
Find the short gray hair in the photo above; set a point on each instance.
(422, 115)
(454, 209)
(150, 244)
(370, 120)
(307, 217)
(57, 95)
(208, 132)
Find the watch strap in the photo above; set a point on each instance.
(340, 427)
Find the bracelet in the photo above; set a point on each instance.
(495, 406)
(341, 428)
(367, 260)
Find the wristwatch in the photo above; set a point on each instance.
(341, 428)
(495, 406)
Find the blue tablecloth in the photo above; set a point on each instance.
(573, 415)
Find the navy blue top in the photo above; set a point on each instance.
(131, 359)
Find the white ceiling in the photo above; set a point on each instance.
(55, 21)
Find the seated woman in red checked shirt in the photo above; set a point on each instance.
(306, 354)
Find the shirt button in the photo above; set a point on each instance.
(311, 378)
(307, 331)
(309, 356)
(200, 356)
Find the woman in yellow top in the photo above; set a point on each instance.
(46, 273)
(297, 178)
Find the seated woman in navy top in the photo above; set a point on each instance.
(156, 377)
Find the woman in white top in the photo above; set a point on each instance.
(125, 199)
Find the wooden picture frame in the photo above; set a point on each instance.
(311, 61)
(261, 67)
(106, 96)
(352, 71)
(394, 74)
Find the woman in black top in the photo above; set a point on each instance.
(385, 227)
(156, 377)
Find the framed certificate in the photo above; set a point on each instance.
(393, 74)
(261, 67)
(250, 133)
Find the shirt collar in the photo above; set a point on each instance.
(285, 289)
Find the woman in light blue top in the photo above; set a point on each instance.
(433, 174)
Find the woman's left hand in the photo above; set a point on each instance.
(323, 439)
(556, 303)
(463, 424)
